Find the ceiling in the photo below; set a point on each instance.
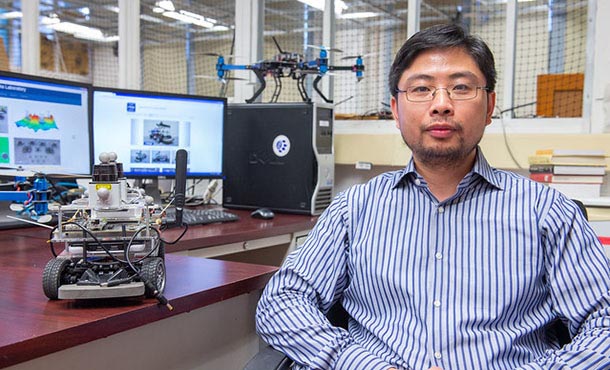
(281, 16)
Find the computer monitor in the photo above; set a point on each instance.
(145, 129)
(44, 124)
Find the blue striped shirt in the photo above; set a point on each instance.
(468, 283)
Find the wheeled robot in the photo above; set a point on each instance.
(112, 242)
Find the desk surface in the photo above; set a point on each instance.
(32, 326)
(247, 228)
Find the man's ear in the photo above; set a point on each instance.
(491, 105)
(394, 107)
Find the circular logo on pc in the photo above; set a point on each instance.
(281, 145)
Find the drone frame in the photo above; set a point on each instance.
(284, 65)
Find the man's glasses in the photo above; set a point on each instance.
(424, 93)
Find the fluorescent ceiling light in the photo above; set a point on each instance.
(274, 32)
(219, 28)
(358, 15)
(493, 2)
(11, 15)
(82, 32)
(166, 5)
(177, 16)
(112, 8)
(47, 21)
(340, 5)
(188, 17)
(199, 19)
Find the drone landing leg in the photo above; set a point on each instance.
(261, 79)
(315, 86)
(301, 88)
(277, 90)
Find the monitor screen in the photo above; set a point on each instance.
(145, 130)
(44, 124)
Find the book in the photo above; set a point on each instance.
(579, 170)
(572, 152)
(541, 168)
(567, 170)
(569, 179)
(568, 160)
(597, 202)
(578, 191)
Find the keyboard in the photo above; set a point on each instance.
(201, 216)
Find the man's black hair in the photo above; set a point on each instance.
(443, 36)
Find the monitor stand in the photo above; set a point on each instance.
(150, 186)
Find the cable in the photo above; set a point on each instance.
(210, 191)
(505, 138)
(137, 272)
(64, 200)
(517, 107)
(156, 293)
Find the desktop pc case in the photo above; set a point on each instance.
(279, 156)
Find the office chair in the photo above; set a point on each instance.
(582, 208)
(271, 359)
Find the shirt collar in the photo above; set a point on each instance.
(481, 167)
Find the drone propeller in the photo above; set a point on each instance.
(322, 47)
(357, 56)
(277, 45)
(16, 207)
(216, 55)
(224, 79)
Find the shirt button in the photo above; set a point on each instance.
(441, 209)
(437, 355)
(436, 303)
(417, 182)
(438, 256)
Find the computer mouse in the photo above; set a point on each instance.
(263, 213)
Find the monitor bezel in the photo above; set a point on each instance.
(59, 81)
(160, 94)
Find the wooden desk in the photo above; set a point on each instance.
(211, 326)
(248, 240)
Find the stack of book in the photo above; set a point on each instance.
(576, 173)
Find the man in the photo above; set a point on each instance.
(448, 263)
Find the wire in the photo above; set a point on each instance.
(104, 248)
(193, 186)
(507, 145)
(517, 107)
(505, 138)
(86, 231)
(186, 227)
(153, 288)
(136, 271)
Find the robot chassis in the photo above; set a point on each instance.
(112, 243)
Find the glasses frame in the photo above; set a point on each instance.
(436, 89)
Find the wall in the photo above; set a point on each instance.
(380, 143)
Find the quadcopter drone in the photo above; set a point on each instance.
(290, 64)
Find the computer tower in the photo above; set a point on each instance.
(279, 156)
